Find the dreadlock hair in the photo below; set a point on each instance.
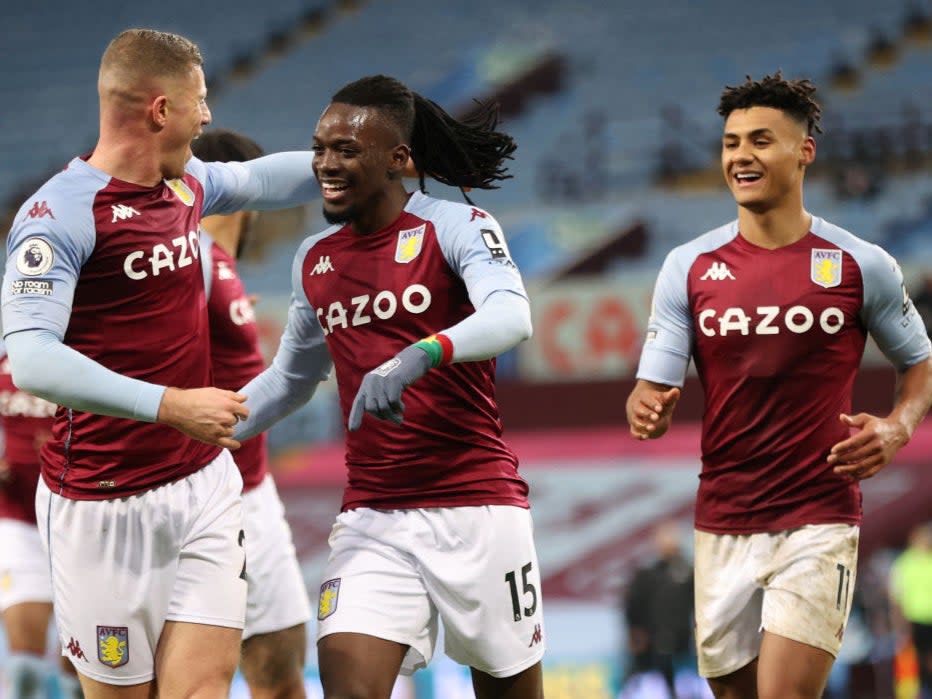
(467, 153)
(793, 97)
(223, 146)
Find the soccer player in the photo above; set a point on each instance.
(775, 309)
(277, 606)
(416, 296)
(104, 314)
(25, 588)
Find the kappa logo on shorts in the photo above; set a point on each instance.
(113, 645)
(329, 594)
(74, 647)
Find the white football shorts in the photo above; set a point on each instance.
(796, 583)
(396, 574)
(24, 567)
(277, 597)
(121, 568)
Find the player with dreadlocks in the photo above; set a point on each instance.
(409, 294)
(775, 308)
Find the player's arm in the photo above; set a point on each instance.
(665, 355)
(300, 364)
(475, 248)
(275, 181)
(897, 328)
(43, 267)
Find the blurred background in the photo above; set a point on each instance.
(613, 107)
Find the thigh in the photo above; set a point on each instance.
(275, 660)
(808, 595)
(277, 597)
(788, 668)
(728, 601)
(24, 565)
(373, 586)
(196, 660)
(480, 567)
(210, 583)
(527, 684)
(359, 665)
(26, 625)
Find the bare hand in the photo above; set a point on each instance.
(206, 414)
(6, 474)
(871, 448)
(650, 409)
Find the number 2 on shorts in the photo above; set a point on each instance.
(528, 588)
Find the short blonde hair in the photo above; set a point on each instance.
(149, 52)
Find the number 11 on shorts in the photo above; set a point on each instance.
(511, 579)
(844, 579)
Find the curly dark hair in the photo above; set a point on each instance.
(793, 97)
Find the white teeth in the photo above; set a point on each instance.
(747, 176)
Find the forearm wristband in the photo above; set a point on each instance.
(438, 348)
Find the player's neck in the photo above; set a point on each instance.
(128, 160)
(382, 214)
(224, 231)
(774, 228)
(132, 154)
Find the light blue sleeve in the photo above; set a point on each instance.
(206, 246)
(45, 254)
(301, 363)
(668, 345)
(46, 367)
(275, 181)
(889, 314)
(475, 248)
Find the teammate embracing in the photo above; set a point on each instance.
(775, 309)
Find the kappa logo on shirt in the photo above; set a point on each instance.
(323, 265)
(121, 212)
(717, 272)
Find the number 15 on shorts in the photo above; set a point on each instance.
(528, 592)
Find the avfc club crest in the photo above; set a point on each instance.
(410, 242)
(329, 595)
(182, 191)
(113, 645)
(825, 268)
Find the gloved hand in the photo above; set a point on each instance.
(381, 389)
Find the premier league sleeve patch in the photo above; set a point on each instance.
(113, 645)
(329, 595)
(35, 257)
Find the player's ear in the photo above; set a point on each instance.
(807, 151)
(398, 161)
(158, 110)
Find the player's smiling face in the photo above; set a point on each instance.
(358, 162)
(764, 154)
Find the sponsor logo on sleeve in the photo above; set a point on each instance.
(33, 287)
(495, 242)
(825, 269)
(35, 257)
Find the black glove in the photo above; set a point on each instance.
(381, 389)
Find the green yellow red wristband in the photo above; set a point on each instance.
(438, 348)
